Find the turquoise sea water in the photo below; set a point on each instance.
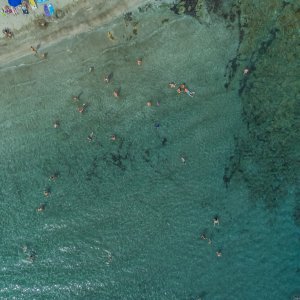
(124, 217)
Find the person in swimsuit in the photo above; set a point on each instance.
(216, 221)
(82, 108)
(181, 88)
(191, 94)
(41, 207)
(47, 192)
(90, 137)
(116, 93)
(53, 177)
(33, 49)
(56, 124)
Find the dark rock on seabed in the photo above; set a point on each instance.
(265, 154)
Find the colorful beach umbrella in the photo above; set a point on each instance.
(14, 3)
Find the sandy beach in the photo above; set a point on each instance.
(76, 17)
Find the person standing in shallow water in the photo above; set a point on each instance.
(33, 49)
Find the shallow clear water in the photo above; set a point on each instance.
(124, 217)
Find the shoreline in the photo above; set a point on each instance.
(79, 18)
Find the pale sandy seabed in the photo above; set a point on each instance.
(78, 17)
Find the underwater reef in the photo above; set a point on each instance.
(266, 150)
(204, 10)
(269, 95)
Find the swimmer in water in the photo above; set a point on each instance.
(139, 61)
(246, 71)
(116, 93)
(113, 137)
(183, 160)
(219, 253)
(187, 91)
(216, 221)
(110, 36)
(53, 177)
(41, 207)
(47, 192)
(82, 108)
(75, 98)
(56, 124)
(107, 78)
(33, 49)
(8, 33)
(43, 55)
(149, 103)
(31, 255)
(203, 236)
(90, 137)
(181, 88)
(31, 258)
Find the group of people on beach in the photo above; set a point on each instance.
(11, 10)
